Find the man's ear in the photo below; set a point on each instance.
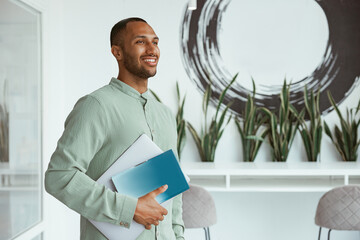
(117, 52)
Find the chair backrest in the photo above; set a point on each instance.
(198, 208)
(339, 208)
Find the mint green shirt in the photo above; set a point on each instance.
(98, 130)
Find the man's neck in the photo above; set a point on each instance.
(138, 84)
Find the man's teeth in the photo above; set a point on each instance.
(149, 60)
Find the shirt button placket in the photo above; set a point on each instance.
(157, 232)
(146, 113)
(150, 123)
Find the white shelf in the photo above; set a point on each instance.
(18, 179)
(354, 179)
(272, 176)
(20, 189)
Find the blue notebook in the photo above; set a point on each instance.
(150, 175)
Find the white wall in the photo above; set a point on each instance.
(78, 61)
(60, 222)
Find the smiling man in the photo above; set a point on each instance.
(102, 125)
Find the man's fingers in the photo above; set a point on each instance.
(164, 211)
(160, 190)
(148, 211)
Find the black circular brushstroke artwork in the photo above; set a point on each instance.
(338, 72)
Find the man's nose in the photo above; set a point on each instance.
(151, 49)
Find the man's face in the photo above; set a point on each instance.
(140, 50)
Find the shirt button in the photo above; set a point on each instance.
(157, 233)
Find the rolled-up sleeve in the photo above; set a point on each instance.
(66, 179)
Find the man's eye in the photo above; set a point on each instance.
(139, 41)
(155, 43)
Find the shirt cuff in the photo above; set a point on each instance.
(127, 210)
(179, 232)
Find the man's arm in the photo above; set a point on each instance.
(84, 134)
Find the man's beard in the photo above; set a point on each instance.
(132, 67)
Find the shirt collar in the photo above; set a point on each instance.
(128, 89)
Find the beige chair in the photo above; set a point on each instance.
(198, 209)
(339, 209)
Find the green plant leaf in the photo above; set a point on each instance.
(327, 131)
(155, 95)
(253, 137)
(177, 91)
(206, 100)
(197, 141)
(332, 101)
(317, 142)
(307, 143)
(222, 95)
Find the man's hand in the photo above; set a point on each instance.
(148, 211)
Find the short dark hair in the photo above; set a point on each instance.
(119, 27)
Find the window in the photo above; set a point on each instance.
(20, 118)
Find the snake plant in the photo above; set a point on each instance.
(282, 128)
(248, 128)
(208, 139)
(345, 140)
(180, 121)
(4, 128)
(311, 133)
(155, 96)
